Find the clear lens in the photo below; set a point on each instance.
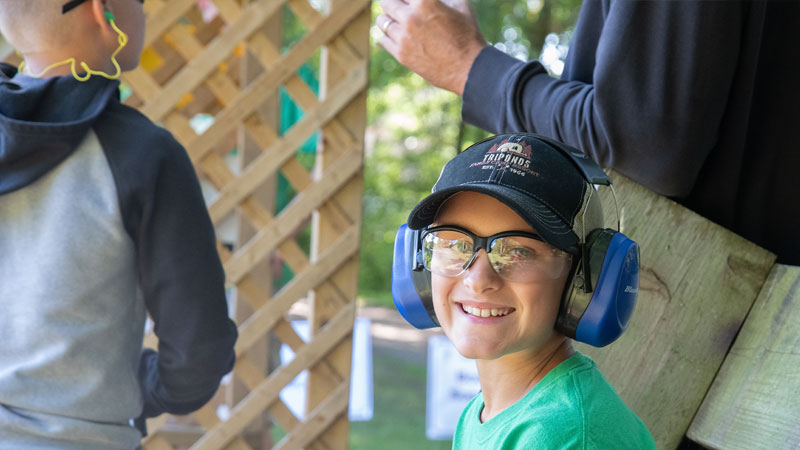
(446, 252)
(515, 258)
(525, 259)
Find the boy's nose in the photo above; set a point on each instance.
(480, 276)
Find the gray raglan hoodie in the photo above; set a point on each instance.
(101, 223)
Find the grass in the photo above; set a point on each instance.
(375, 298)
(398, 422)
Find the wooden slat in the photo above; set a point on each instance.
(334, 405)
(266, 239)
(153, 425)
(326, 226)
(252, 377)
(257, 209)
(229, 10)
(267, 392)
(189, 48)
(753, 403)
(157, 443)
(238, 444)
(276, 155)
(282, 329)
(142, 83)
(309, 16)
(207, 415)
(255, 93)
(208, 60)
(159, 21)
(153, 439)
(266, 317)
(698, 282)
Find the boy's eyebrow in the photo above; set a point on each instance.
(71, 5)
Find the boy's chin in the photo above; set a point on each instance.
(477, 351)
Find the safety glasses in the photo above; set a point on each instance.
(516, 256)
(69, 6)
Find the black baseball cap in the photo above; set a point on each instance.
(531, 175)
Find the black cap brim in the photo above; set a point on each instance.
(553, 229)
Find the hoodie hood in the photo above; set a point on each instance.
(43, 120)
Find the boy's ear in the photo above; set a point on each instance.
(99, 10)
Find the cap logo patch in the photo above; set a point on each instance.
(514, 157)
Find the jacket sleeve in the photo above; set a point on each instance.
(180, 274)
(649, 101)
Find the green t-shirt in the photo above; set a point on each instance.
(572, 407)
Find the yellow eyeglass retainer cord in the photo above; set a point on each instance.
(122, 38)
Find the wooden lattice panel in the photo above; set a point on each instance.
(223, 61)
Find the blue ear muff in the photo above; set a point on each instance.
(411, 283)
(599, 300)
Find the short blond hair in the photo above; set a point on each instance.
(34, 24)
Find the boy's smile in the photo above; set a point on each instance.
(485, 315)
(480, 310)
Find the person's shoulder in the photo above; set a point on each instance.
(591, 386)
(127, 125)
(606, 419)
(138, 147)
(562, 429)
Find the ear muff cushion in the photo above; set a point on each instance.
(413, 301)
(614, 297)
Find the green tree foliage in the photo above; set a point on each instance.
(414, 128)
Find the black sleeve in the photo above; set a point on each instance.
(180, 273)
(653, 95)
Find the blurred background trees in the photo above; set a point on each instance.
(413, 128)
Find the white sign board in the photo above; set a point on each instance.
(452, 382)
(361, 407)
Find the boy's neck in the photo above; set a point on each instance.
(36, 62)
(504, 381)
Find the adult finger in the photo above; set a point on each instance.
(384, 22)
(398, 10)
(389, 45)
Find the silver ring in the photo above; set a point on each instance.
(385, 27)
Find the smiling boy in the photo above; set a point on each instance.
(501, 236)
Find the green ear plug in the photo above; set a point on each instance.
(110, 17)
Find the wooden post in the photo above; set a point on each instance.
(263, 354)
(342, 140)
(753, 403)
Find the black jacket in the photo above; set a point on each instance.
(696, 100)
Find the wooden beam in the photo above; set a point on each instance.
(334, 405)
(753, 403)
(267, 238)
(698, 281)
(266, 316)
(282, 150)
(267, 392)
(343, 211)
